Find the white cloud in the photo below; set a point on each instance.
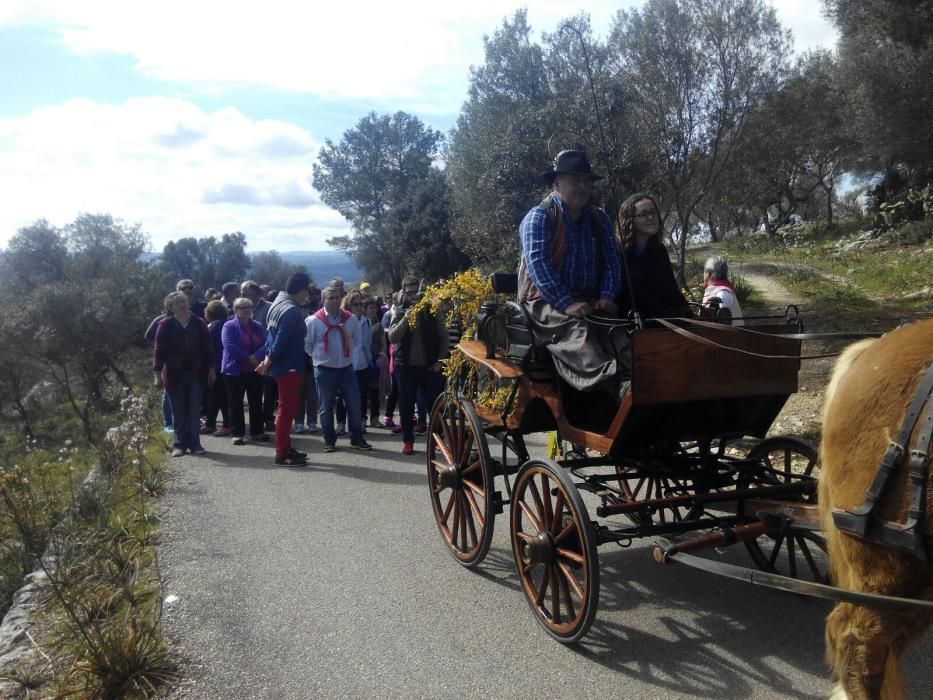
(167, 164)
(414, 52)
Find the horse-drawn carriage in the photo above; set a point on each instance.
(662, 464)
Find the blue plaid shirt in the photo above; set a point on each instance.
(578, 279)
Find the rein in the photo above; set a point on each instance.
(613, 324)
(667, 323)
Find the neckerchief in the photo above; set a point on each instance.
(321, 315)
(721, 283)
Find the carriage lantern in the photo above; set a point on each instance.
(487, 312)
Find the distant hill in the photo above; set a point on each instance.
(324, 264)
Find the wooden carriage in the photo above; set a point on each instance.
(694, 388)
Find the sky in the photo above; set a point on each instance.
(201, 117)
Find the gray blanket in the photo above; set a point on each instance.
(584, 355)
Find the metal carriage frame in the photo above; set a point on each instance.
(663, 470)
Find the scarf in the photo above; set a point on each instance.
(321, 315)
(721, 283)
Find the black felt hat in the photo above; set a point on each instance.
(570, 161)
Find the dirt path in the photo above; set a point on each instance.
(802, 412)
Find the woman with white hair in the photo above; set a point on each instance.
(718, 287)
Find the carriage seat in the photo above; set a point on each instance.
(519, 342)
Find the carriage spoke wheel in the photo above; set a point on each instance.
(798, 553)
(648, 488)
(554, 547)
(460, 479)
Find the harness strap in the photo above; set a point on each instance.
(863, 522)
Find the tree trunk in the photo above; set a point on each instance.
(682, 247)
(121, 375)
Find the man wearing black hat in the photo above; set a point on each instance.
(571, 268)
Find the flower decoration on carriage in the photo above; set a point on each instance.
(459, 300)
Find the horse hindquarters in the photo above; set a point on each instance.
(866, 403)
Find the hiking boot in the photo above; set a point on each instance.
(408, 448)
(361, 445)
(289, 460)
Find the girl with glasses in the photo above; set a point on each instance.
(657, 294)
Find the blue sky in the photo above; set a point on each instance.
(201, 117)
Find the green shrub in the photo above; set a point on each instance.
(914, 232)
(105, 583)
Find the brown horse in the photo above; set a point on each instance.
(866, 402)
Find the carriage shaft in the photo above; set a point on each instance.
(798, 489)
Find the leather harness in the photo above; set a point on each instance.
(864, 523)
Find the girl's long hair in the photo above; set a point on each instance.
(627, 218)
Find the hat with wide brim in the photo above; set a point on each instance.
(574, 162)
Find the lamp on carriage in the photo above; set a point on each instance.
(488, 311)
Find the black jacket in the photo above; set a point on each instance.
(656, 290)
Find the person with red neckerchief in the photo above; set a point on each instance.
(717, 286)
(331, 336)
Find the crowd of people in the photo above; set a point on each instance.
(306, 360)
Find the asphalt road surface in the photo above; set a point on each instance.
(331, 580)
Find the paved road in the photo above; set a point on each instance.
(331, 581)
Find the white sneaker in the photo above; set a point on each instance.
(298, 428)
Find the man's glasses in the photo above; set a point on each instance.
(653, 214)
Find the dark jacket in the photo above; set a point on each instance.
(179, 349)
(422, 345)
(153, 327)
(656, 290)
(285, 336)
(214, 329)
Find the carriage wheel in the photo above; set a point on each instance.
(460, 479)
(648, 488)
(797, 553)
(554, 547)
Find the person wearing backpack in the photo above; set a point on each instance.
(571, 268)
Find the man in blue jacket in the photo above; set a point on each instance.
(285, 362)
